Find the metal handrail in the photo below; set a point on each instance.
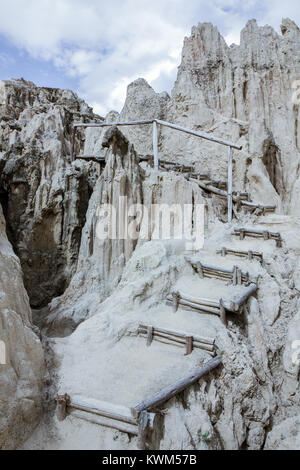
(155, 123)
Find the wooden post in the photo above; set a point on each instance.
(223, 313)
(149, 335)
(62, 403)
(239, 277)
(250, 255)
(200, 269)
(189, 345)
(73, 144)
(146, 422)
(176, 299)
(224, 252)
(155, 145)
(229, 184)
(234, 275)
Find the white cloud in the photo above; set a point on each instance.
(107, 44)
(6, 59)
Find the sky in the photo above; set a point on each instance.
(97, 47)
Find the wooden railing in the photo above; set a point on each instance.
(157, 122)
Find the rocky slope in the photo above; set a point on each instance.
(103, 289)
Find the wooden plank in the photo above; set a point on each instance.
(177, 387)
(107, 410)
(89, 158)
(224, 194)
(242, 254)
(198, 305)
(179, 334)
(238, 302)
(256, 232)
(203, 308)
(172, 340)
(199, 300)
(106, 422)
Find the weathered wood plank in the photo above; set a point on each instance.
(107, 410)
(172, 340)
(179, 334)
(242, 254)
(110, 124)
(200, 134)
(177, 387)
(106, 422)
(238, 302)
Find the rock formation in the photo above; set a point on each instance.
(22, 367)
(89, 293)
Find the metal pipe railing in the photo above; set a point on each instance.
(155, 123)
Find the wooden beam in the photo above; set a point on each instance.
(224, 194)
(189, 345)
(179, 334)
(238, 302)
(177, 341)
(163, 123)
(62, 405)
(106, 422)
(199, 307)
(93, 158)
(177, 387)
(242, 254)
(199, 300)
(200, 134)
(104, 409)
(110, 124)
(259, 234)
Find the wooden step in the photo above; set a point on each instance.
(177, 338)
(235, 276)
(264, 234)
(98, 412)
(250, 255)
